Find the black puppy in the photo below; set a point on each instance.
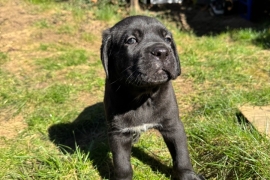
(140, 58)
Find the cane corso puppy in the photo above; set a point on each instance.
(140, 60)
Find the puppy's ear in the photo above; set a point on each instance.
(178, 66)
(104, 50)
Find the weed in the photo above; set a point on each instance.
(89, 37)
(42, 24)
(43, 47)
(243, 35)
(67, 29)
(3, 58)
(263, 39)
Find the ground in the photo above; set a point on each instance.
(20, 35)
(52, 84)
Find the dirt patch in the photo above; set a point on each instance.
(23, 28)
(87, 99)
(11, 127)
(15, 20)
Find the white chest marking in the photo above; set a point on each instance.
(140, 128)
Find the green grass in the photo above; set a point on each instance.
(3, 58)
(107, 13)
(40, 1)
(67, 29)
(89, 37)
(42, 24)
(70, 58)
(55, 86)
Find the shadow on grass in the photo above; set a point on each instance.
(243, 121)
(152, 162)
(196, 18)
(88, 133)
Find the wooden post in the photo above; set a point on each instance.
(134, 6)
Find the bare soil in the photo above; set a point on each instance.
(20, 37)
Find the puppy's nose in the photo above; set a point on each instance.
(160, 52)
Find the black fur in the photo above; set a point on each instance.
(140, 60)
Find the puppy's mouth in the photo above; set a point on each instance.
(145, 80)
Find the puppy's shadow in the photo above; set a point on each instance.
(88, 133)
(152, 162)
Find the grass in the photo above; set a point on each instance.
(106, 13)
(3, 58)
(66, 59)
(54, 84)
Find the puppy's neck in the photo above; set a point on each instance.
(134, 92)
(131, 96)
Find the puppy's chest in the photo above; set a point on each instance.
(139, 120)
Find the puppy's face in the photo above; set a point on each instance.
(139, 51)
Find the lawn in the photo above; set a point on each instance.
(52, 123)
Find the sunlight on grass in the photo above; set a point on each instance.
(107, 13)
(40, 1)
(72, 58)
(42, 24)
(243, 35)
(260, 38)
(43, 163)
(223, 147)
(89, 37)
(57, 93)
(67, 29)
(55, 47)
(55, 83)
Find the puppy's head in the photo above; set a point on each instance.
(139, 51)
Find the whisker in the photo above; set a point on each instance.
(127, 69)
(118, 88)
(135, 80)
(116, 80)
(127, 80)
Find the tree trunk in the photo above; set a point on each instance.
(134, 6)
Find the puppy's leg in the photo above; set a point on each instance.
(176, 141)
(120, 144)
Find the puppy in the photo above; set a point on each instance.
(140, 60)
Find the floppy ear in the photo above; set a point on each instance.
(104, 50)
(178, 66)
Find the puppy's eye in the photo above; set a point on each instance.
(131, 40)
(168, 39)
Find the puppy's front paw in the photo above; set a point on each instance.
(187, 175)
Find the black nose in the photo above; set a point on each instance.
(160, 52)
